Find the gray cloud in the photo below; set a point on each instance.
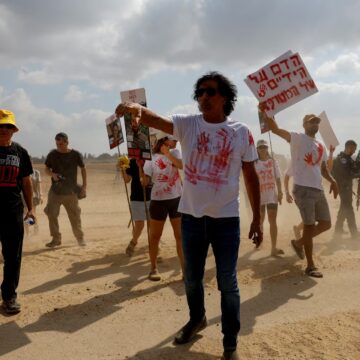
(111, 41)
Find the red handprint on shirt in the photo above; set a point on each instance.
(308, 158)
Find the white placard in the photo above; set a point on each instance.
(327, 132)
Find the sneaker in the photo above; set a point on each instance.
(81, 242)
(11, 306)
(53, 243)
(230, 355)
(188, 332)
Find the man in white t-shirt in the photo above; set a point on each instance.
(308, 161)
(215, 149)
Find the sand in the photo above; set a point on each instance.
(96, 303)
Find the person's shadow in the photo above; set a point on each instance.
(281, 280)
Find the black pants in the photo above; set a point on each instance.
(11, 237)
(346, 210)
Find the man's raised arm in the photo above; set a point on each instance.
(141, 114)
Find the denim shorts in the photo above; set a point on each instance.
(138, 210)
(312, 204)
(160, 209)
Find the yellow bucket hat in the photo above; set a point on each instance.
(8, 117)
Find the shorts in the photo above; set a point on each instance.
(312, 204)
(138, 210)
(160, 209)
(270, 206)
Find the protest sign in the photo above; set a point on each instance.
(138, 139)
(281, 83)
(114, 131)
(326, 131)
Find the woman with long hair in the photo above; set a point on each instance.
(270, 191)
(163, 171)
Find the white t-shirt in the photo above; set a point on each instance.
(265, 170)
(307, 154)
(212, 162)
(165, 176)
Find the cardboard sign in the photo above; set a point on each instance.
(281, 83)
(114, 132)
(327, 132)
(138, 139)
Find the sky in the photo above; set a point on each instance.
(64, 63)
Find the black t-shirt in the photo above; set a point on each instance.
(64, 164)
(136, 187)
(15, 164)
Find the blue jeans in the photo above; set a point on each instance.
(224, 236)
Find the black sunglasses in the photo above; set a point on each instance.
(7, 126)
(209, 92)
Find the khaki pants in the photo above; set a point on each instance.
(52, 210)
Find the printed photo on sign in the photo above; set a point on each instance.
(281, 83)
(114, 131)
(138, 138)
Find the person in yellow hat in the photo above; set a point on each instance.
(15, 171)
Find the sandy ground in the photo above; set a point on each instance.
(96, 303)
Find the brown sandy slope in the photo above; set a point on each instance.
(95, 303)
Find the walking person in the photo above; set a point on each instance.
(270, 191)
(15, 171)
(215, 149)
(62, 164)
(163, 172)
(132, 174)
(345, 170)
(308, 161)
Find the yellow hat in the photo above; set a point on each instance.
(7, 117)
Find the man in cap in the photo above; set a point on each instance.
(15, 171)
(345, 169)
(61, 164)
(308, 159)
(215, 150)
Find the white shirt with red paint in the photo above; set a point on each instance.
(165, 176)
(268, 171)
(212, 162)
(307, 154)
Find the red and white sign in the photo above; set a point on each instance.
(281, 83)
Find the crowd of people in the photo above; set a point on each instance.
(203, 207)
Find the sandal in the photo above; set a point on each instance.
(130, 249)
(154, 275)
(299, 250)
(277, 252)
(313, 272)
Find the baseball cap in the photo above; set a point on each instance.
(8, 117)
(310, 117)
(262, 142)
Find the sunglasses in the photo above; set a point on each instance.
(209, 92)
(7, 126)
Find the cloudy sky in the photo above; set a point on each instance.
(64, 63)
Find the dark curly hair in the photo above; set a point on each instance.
(159, 143)
(225, 87)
